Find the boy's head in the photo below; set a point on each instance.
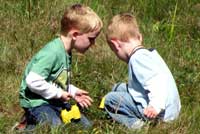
(81, 18)
(82, 24)
(123, 35)
(123, 27)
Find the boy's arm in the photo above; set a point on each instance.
(157, 95)
(39, 85)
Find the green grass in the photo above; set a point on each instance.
(170, 26)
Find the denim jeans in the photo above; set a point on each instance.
(44, 114)
(49, 114)
(121, 106)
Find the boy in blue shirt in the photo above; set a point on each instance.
(45, 85)
(151, 92)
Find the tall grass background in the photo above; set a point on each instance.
(170, 26)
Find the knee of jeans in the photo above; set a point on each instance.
(120, 87)
(108, 102)
(111, 98)
(107, 98)
(113, 101)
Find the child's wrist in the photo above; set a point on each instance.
(72, 90)
(157, 109)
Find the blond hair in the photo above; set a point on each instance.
(80, 17)
(123, 27)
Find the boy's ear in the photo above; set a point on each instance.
(140, 37)
(74, 33)
(115, 44)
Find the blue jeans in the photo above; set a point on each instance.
(121, 106)
(48, 114)
(44, 114)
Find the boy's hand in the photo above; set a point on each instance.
(150, 112)
(83, 98)
(65, 96)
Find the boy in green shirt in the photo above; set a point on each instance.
(43, 87)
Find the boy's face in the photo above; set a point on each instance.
(84, 41)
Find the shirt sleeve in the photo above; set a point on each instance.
(152, 79)
(157, 95)
(39, 85)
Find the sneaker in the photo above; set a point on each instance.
(23, 126)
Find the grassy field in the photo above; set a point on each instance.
(170, 26)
